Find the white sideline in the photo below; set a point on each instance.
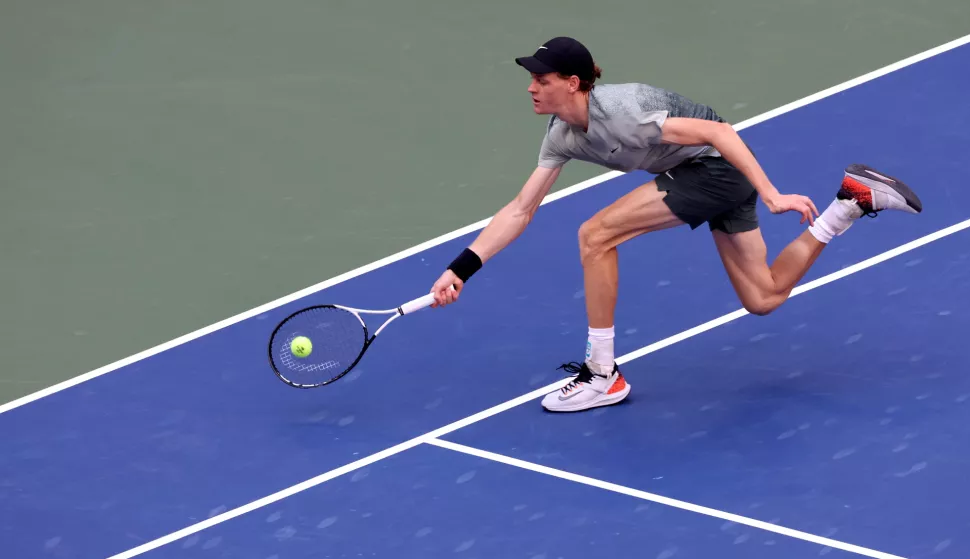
(453, 235)
(432, 436)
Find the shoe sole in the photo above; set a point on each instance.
(867, 175)
(606, 400)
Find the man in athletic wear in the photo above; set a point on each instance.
(704, 174)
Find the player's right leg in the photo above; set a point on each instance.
(691, 193)
(598, 380)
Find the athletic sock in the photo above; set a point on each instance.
(835, 220)
(599, 350)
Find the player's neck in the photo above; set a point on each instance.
(576, 111)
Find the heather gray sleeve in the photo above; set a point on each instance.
(551, 155)
(650, 126)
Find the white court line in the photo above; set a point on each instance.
(848, 270)
(432, 436)
(661, 499)
(266, 307)
(454, 234)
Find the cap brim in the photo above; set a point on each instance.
(533, 65)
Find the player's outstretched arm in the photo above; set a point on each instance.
(506, 225)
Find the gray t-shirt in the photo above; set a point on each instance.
(625, 122)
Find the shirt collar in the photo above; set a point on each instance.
(596, 131)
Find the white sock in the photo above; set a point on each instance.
(599, 350)
(835, 220)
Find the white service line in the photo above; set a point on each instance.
(433, 436)
(347, 468)
(453, 235)
(662, 500)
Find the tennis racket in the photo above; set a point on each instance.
(320, 344)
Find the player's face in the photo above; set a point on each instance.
(549, 93)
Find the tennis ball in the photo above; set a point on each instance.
(301, 346)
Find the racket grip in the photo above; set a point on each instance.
(419, 303)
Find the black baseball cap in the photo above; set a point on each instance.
(564, 55)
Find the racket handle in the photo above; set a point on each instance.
(419, 303)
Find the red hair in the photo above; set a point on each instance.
(587, 85)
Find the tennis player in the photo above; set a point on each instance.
(704, 173)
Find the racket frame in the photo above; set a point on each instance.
(406, 308)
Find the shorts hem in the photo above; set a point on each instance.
(742, 227)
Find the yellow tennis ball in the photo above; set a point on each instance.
(301, 346)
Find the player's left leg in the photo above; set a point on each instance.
(760, 287)
(763, 288)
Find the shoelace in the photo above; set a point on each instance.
(867, 213)
(582, 372)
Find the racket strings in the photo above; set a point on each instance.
(292, 363)
(337, 337)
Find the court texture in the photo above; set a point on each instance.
(837, 426)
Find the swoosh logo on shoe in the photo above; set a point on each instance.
(877, 175)
(574, 392)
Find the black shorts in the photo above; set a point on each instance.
(711, 190)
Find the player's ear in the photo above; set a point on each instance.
(574, 84)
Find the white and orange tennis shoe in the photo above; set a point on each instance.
(590, 389)
(864, 191)
(874, 191)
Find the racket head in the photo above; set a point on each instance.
(338, 336)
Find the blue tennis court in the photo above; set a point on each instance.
(838, 426)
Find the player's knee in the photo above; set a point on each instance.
(588, 239)
(760, 307)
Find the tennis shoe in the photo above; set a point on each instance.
(874, 192)
(589, 389)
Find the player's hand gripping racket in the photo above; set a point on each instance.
(318, 345)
